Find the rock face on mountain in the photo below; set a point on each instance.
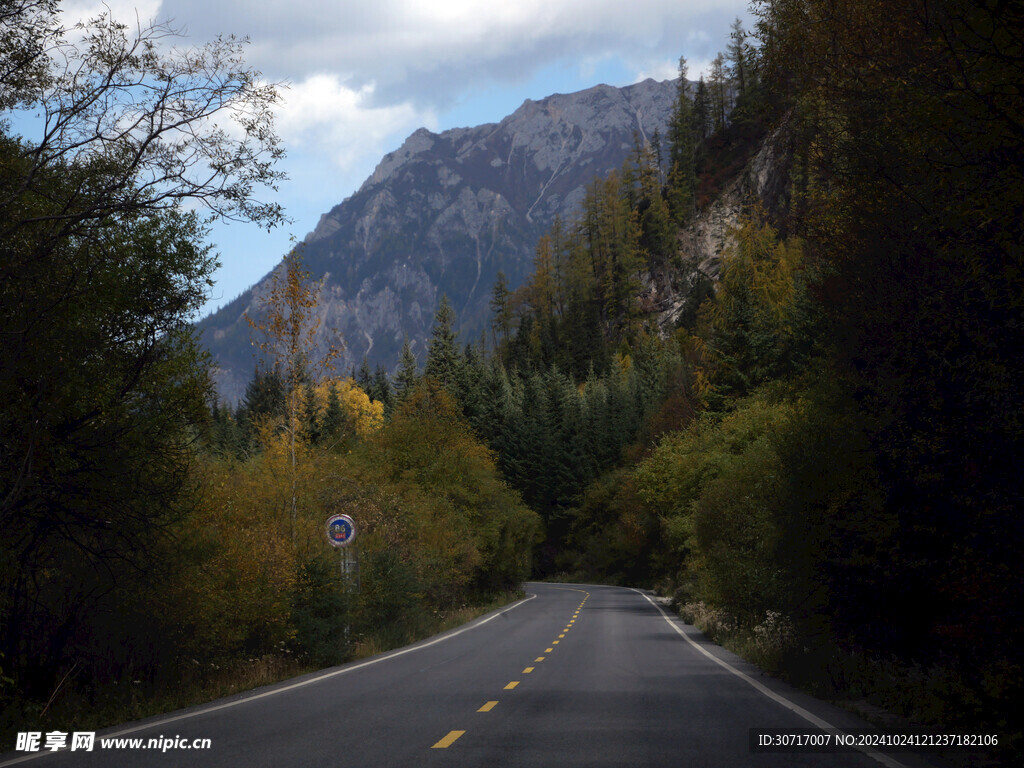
(442, 215)
(710, 238)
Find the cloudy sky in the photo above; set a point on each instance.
(361, 76)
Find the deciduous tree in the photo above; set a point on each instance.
(104, 388)
(287, 327)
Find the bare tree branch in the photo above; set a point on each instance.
(155, 125)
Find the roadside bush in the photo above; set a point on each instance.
(714, 487)
(321, 612)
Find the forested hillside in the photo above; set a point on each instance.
(821, 458)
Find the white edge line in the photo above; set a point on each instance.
(293, 686)
(778, 698)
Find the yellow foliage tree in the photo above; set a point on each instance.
(233, 589)
(459, 525)
(364, 415)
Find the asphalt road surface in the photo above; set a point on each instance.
(574, 675)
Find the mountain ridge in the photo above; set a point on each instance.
(442, 214)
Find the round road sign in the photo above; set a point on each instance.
(341, 530)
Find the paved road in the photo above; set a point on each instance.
(574, 675)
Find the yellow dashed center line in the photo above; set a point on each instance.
(454, 736)
(448, 740)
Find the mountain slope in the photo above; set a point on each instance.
(442, 215)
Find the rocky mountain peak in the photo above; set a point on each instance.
(443, 213)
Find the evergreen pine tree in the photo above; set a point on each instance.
(264, 398)
(443, 359)
(501, 324)
(657, 231)
(682, 180)
(363, 377)
(335, 424)
(537, 444)
(649, 362)
(310, 417)
(656, 149)
(738, 52)
(471, 376)
(701, 110)
(596, 434)
(264, 394)
(225, 437)
(381, 390)
(408, 372)
(510, 441)
(568, 468)
(495, 393)
(719, 92)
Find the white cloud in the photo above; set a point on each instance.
(323, 111)
(126, 11)
(662, 70)
(669, 70)
(427, 52)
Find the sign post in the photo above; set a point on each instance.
(341, 532)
